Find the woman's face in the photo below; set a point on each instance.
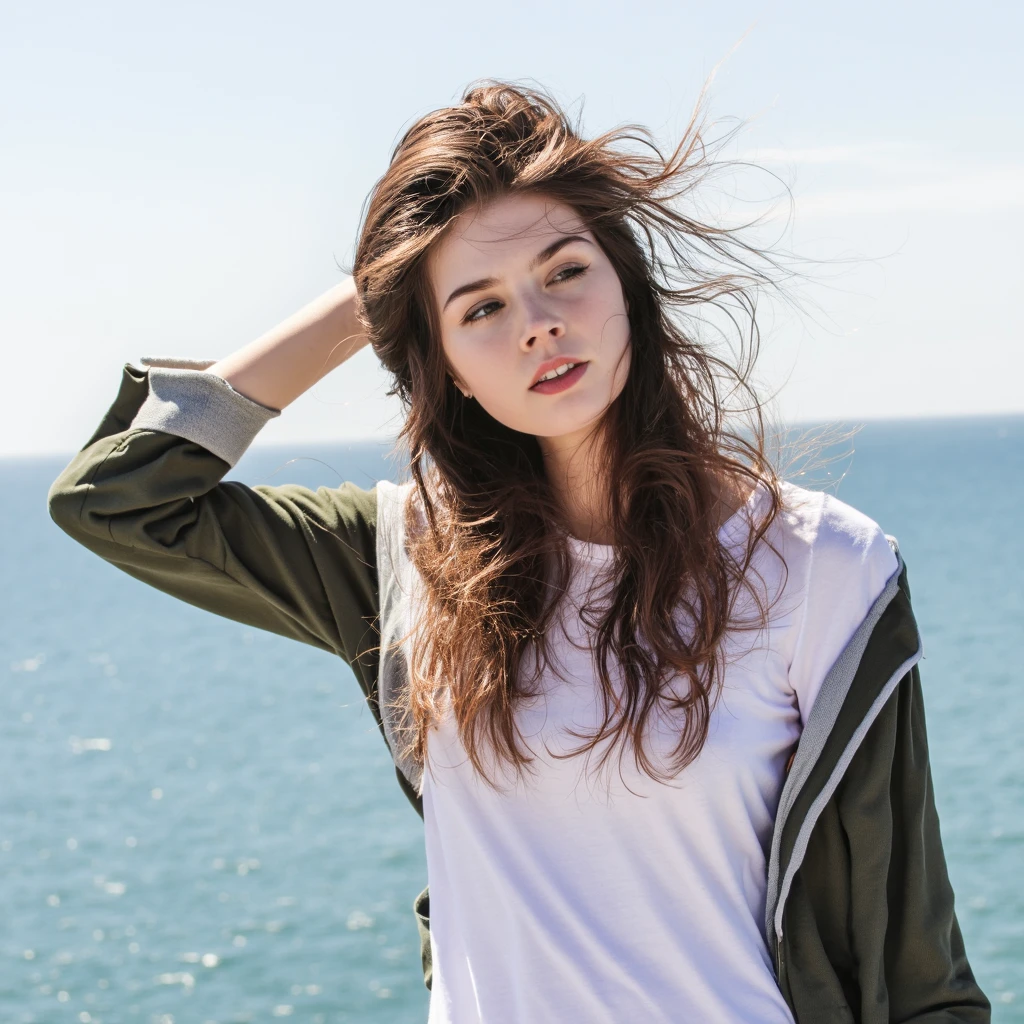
(522, 288)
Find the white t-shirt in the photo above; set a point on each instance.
(583, 897)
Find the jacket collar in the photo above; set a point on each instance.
(883, 649)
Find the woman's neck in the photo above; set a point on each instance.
(577, 474)
(574, 468)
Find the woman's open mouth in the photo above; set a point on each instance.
(562, 380)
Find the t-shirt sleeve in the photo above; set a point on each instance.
(849, 563)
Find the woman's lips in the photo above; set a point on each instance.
(556, 384)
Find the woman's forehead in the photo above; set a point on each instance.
(504, 229)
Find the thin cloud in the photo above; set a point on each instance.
(912, 183)
(986, 189)
(872, 153)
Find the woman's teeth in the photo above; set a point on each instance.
(564, 368)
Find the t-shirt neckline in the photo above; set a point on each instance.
(728, 533)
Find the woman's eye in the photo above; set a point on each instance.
(482, 312)
(492, 306)
(568, 273)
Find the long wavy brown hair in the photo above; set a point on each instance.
(485, 530)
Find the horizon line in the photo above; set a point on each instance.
(383, 439)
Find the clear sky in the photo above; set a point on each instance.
(177, 178)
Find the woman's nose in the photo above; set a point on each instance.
(541, 323)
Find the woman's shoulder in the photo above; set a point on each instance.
(393, 500)
(838, 537)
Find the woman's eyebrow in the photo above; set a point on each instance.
(541, 257)
(546, 254)
(473, 286)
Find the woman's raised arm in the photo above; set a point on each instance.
(146, 492)
(276, 368)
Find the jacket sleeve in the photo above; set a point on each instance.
(907, 943)
(146, 494)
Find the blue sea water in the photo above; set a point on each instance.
(200, 822)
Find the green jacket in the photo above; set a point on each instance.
(860, 918)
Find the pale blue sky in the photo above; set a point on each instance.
(177, 179)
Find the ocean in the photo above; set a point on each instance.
(200, 822)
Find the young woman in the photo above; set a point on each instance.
(659, 709)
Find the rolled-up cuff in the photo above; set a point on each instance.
(200, 407)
